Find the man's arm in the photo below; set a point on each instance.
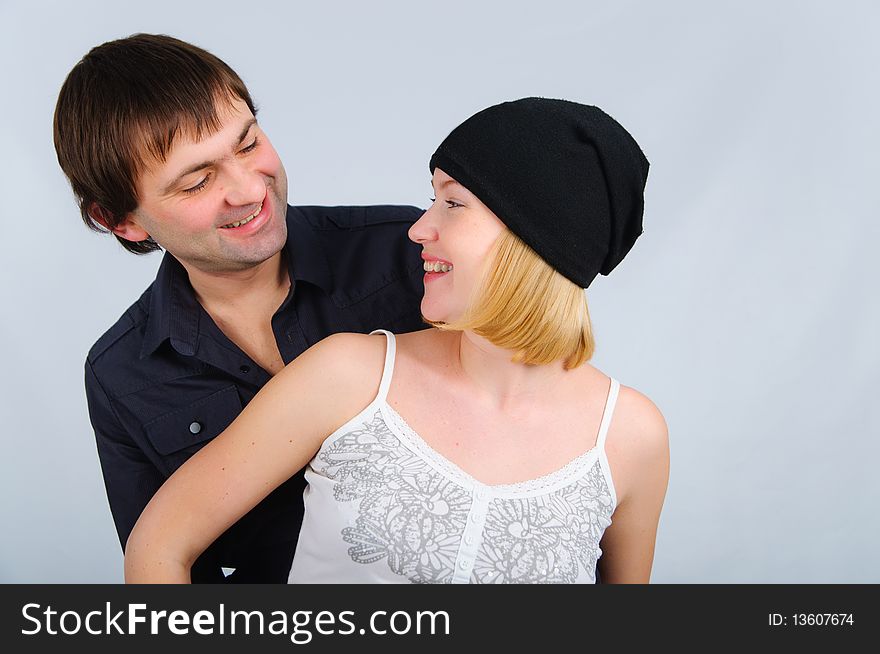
(273, 437)
(130, 479)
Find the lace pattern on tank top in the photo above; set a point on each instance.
(409, 515)
(414, 507)
(551, 538)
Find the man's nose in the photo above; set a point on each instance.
(244, 186)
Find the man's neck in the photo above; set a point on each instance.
(255, 289)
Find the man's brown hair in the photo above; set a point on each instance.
(122, 106)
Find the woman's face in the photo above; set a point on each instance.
(456, 234)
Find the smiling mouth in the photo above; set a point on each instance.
(436, 267)
(245, 221)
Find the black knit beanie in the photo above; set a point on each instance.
(566, 178)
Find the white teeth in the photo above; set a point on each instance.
(246, 220)
(240, 223)
(436, 266)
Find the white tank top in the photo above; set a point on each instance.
(382, 506)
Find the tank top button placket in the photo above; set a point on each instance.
(472, 536)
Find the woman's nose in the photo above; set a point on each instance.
(423, 229)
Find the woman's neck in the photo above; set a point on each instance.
(498, 381)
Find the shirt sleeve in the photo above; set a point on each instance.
(130, 479)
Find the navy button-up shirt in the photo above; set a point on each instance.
(165, 380)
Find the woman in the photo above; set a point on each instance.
(486, 449)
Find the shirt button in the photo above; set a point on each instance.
(464, 565)
(245, 369)
(195, 427)
(469, 540)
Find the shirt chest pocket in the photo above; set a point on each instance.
(179, 434)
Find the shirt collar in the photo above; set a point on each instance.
(306, 258)
(175, 312)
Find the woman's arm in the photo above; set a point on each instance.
(640, 455)
(276, 435)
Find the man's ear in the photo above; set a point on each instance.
(127, 228)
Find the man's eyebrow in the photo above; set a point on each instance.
(247, 128)
(206, 164)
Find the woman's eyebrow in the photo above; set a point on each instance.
(447, 183)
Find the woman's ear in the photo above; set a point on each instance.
(127, 228)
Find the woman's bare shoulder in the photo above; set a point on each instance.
(347, 366)
(638, 443)
(636, 418)
(643, 418)
(349, 346)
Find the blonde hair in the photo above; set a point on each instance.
(526, 306)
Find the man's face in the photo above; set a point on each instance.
(218, 204)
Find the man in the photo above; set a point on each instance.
(159, 141)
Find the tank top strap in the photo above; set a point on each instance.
(607, 413)
(388, 370)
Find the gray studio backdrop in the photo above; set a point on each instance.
(747, 311)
